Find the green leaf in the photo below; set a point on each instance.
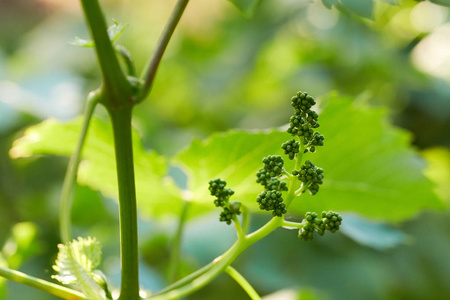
(75, 263)
(114, 31)
(369, 165)
(363, 8)
(79, 42)
(438, 170)
(157, 195)
(234, 156)
(247, 7)
(22, 244)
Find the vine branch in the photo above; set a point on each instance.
(150, 70)
(43, 285)
(71, 173)
(242, 282)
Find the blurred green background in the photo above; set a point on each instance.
(223, 70)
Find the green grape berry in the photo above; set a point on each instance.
(222, 194)
(304, 121)
(272, 201)
(291, 148)
(302, 102)
(262, 177)
(226, 216)
(275, 184)
(235, 207)
(310, 175)
(332, 221)
(217, 189)
(317, 139)
(306, 233)
(274, 165)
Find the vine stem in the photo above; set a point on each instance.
(242, 282)
(43, 285)
(293, 179)
(121, 121)
(71, 173)
(176, 244)
(116, 87)
(149, 73)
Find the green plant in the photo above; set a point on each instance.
(121, 91)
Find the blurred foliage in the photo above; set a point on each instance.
(368, 162)
(226, 71)
(157, 195)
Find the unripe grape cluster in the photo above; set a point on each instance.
(330, 221)
(304, 120)
(310, 175)
(222, 194)
(228, 212)
(217, 189)
(271, 198)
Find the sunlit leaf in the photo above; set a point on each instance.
(79, 42)
(115, 30)
(369, 165)
(75, 263)
(22, 244)
(438, 170)
(157, 195)
(234, 156)
(247, 7)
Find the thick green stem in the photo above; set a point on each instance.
(243, 283)
(116, 85)
(49, 287)
(71, 173)
(121, 121)
(149, 72)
